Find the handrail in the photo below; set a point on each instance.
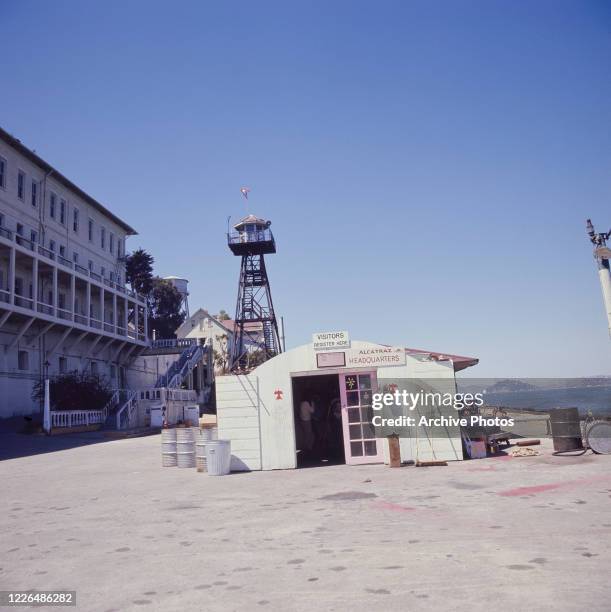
(127, 410)
(189, 364)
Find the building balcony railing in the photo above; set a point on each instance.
(24, 302)
(28, 307)
(62, 313)
(45, 308)
(64, 262)
(174, 342)
(255, 236)
(47, 253)
(24, 242)
(79, 318)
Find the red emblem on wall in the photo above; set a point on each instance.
(278, 394)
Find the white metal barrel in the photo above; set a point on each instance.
(200, 456)
(185, 447)
(168, 447)
(210, 433)
(218, 457)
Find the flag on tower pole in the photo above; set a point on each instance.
(244, 191)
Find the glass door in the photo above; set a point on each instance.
(360, 443)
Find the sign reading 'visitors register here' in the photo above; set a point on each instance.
(324, 341)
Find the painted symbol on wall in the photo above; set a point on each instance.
(278, 393)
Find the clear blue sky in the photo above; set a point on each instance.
(428, 167)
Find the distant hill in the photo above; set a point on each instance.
(510, 386)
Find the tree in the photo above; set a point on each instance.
(223, 316)
(165, 308)
(139, 271)
(75, 391)
(221, 354)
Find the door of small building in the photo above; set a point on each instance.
(360, 443)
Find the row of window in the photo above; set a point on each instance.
(23, 363)
(33, 237)
(58, 210)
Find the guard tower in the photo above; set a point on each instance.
(256, 337)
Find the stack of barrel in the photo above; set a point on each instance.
(186, 446)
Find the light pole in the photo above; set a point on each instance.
(602, 255)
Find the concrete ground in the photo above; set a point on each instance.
(106, 520)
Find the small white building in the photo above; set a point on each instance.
(260, 412)
(203, 326)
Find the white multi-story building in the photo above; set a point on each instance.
(63, 301)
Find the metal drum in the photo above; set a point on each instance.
(598, 437)
(566, 430)
(168, 447)
(210, 433)
(201, 463)
(185, 448)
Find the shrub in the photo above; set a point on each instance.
(75, 391)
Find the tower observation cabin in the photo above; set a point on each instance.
(256, 336)
(252, 236)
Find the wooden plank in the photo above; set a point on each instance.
(528, 442)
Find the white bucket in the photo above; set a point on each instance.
(218, 457)
(185, 447)
(168, 447)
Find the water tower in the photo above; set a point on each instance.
(256, 327)
(181, 285)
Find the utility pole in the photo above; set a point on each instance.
(602, 255)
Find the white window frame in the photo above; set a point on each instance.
(34, 193)
(52, 204)
(90, 229)
(21, 174)
(3, 175)
(75, 220)
(103, 238)
(63, 206)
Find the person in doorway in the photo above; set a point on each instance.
(306, 410)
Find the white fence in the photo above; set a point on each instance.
(76, 418)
